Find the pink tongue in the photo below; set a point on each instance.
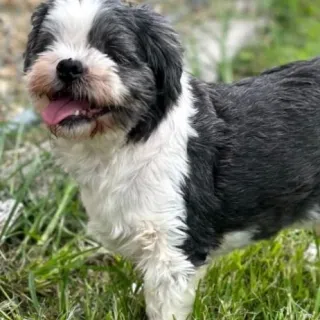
(61, 109)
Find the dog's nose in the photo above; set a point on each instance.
(69, 70)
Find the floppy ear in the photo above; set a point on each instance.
(36, 21)
(162, 52)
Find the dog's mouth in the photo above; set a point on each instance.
(65, 109)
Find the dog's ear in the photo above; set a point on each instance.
(36, 22)
(162, 52)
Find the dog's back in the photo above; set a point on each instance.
(263, 142)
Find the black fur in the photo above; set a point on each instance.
(38, 39)
(148, 54)
(161, 50)
(146, 40)
(256, 162)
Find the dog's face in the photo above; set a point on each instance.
(96, 66)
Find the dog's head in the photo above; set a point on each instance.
(96, 66)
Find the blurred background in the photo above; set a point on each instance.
(44, 252)
(224, 39)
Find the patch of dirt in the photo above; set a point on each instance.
(14, 26)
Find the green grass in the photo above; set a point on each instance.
(292, 34)
(49, 269)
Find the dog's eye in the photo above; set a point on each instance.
(123, 59)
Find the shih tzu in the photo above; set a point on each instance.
(173, 171)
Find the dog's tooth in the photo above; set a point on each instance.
(77, 113)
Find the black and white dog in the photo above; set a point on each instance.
(172, 171)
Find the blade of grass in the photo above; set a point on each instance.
(20, 195)
(69, 193)
(17, 144)
(62, 291)
(3, 315)
(33, 291)
(2, 140)
(317, 303)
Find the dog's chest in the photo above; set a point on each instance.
(132, 196)
(133, 192)
(121, 200)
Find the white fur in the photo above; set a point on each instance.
(135, 207)
(314, 215)
(90, 58)
(234, 240)
(311, 221)
(70, 22)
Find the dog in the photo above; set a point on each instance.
(172, 171)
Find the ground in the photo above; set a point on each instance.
(50, 269)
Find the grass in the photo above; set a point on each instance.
(293, 34)
(49, 269)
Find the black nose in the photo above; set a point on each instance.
(69, 70)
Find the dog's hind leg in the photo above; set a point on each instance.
(313, 219)
(317, 229)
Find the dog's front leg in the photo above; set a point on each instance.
(170, 278)
(170, 290)
(169, 296)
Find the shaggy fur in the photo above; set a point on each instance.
(172, 170)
